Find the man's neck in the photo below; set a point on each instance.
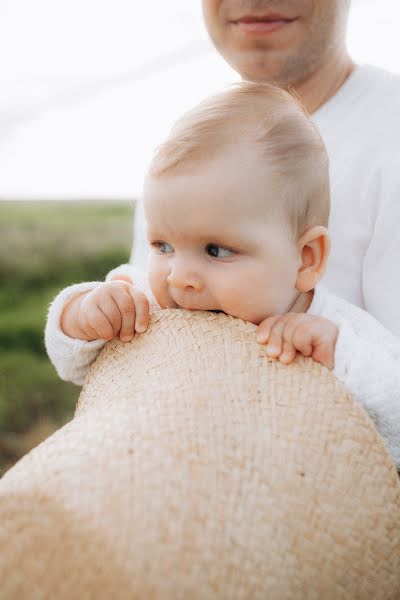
(323, 84)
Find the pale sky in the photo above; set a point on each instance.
(90, 87)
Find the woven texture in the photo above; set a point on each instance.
(196, 468)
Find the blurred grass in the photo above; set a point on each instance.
(45, 246)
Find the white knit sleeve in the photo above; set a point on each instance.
(72, 357)
(372, 373)
(367, 361)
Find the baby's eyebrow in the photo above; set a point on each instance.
(153, 234)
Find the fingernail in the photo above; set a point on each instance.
(273, 350)
(262, 336)
(140, 328)
(127, 338)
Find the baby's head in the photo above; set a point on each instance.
(237, 205)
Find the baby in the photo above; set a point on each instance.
(237, 208)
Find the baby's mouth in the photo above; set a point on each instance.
(185, 306)
(192, 307)
(216, 311)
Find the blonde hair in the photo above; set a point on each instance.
(274, 121)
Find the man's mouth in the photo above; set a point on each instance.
(261, 24)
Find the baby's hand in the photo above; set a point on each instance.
(308, 334)
(112, 309)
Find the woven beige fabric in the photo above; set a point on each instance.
(196, 468)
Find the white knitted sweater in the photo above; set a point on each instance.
(367, 356)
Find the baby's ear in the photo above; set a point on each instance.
(313, 246)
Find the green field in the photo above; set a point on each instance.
(45, 246)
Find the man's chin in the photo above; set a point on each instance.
(253, 65)
(261, 74)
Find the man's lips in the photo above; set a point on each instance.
(262, 24)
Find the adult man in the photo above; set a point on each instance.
(301, 44)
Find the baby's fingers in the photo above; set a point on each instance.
(278, 333)
(302, 338)
(275, 339)
(95, 324)
(317, 338)
(126, 307)
(142, 311)
(288, 353)
(324, 353)
(280, 343)
(293, 323)
(134, 310)
(264, 328)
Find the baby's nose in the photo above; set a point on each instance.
(185, 277)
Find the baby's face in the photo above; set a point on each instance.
(215, 245)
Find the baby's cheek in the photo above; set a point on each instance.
(236, 298)
(158, 283)
(253, 300)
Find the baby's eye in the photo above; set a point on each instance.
(218, 251)
(162, 247)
